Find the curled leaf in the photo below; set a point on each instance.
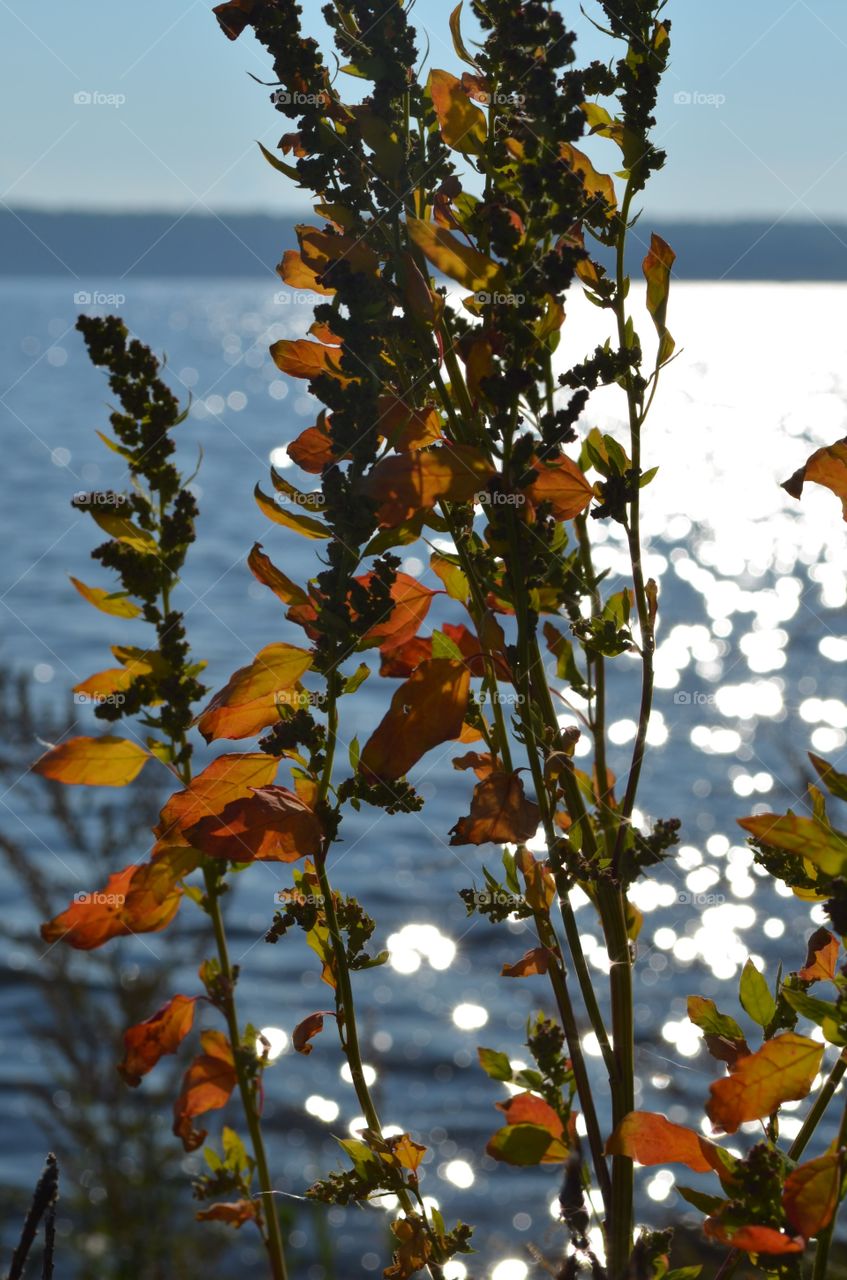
(812, 1192)
(206, 1086)
(821, 957)
(827, 467)
(117, 603)
(161, 1033)
(234, 1214)
(306, 1031)
(500, 812)
(653, 1139)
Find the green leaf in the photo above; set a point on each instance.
(706, 1015)
(495, 1064)
(526, 1144)
(456, 33)
(280, 165)
(701, 1201)
(358, 678)
(365, 1162)
(444, 647)
(835, 782)
(354, 752)
(822, 1012)
(755, 995)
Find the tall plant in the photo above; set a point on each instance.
(444, 416)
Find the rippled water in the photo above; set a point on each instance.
(750, 676)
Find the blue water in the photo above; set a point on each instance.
(751, 584)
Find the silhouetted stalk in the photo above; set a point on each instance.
(272, 1233)
(346, 1019)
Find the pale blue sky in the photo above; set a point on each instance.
(182, 138)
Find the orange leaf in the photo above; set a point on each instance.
(532, 963)
(753, 1239)
(653, 1139)
(294, 271)
(234, 1214)
(482, 763)
(528, 1108)
(131, 902)
(408, 428)
(93, 762)
(148, 1041)
(249, 702)
(781, 1071)
(827, 467)
(409, 482)
(312, 450)
(500, 812)
(233, 16)
(812, 1192)
(410, 605)
(230, 777)
(562, 485)
(821, 957)
(306, 1031)
(427, 709)
(206, 1086)
(267, 573)
(300, 358)
(270, 825)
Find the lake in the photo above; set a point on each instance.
(750, 674)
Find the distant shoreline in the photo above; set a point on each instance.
(91, 248)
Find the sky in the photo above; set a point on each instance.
(146, 106)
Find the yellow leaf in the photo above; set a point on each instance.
(459, 261)
(117, 603)
(249, 701)
(304, 525)
(463, 125)
(93, 762)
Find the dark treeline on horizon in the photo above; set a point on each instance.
(93, 247)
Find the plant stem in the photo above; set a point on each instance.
(820, 1269)
(211, 878)
(347, 1026)
(273, 1241)
(820, 1105)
